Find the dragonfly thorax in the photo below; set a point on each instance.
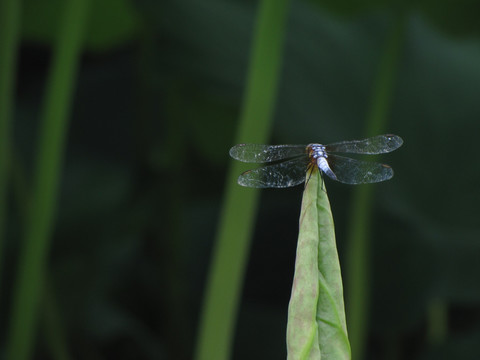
(318, 151)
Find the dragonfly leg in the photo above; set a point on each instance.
(324, 189)
(310, 169)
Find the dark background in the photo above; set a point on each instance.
(156, 105)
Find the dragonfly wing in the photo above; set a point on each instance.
(375, 145)
(351, 171)
(256, 153)
(285, 174)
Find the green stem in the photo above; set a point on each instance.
(9, 36)
(437, 321)
(214, 338)
(39, 228)
(52, 322)
(358, 252)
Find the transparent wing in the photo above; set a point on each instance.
(281, 175)
(351, 171)
(256, 153)
(375, 145)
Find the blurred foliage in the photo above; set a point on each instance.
(352, 7)
(156, 105)
(459, 18)
(112, 23)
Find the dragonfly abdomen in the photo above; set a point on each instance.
(322, 164)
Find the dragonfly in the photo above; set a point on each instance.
(290, 164)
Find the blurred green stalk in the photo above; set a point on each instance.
(9, 35)
(223, 291)
(40, 222)
(437, 321)
(52, 323)
(358, 252)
